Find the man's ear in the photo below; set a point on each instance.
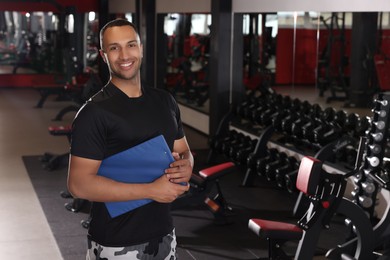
(101, 52)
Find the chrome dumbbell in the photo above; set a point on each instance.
(374, 161)
(368, 187)
(365, 201)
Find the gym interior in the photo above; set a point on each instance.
(285, 105)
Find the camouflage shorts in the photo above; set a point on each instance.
(160, 249)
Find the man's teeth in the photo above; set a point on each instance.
(126, 64)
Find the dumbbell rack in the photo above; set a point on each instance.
(371, 180)
(366, 187)
(372, 177)
(265, 142)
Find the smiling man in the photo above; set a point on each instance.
(122, 51)
(123, 114)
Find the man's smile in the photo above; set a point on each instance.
(125, 65)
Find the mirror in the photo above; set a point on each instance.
(310, 50)
(188, 44)
(35, 43)
(282, 50)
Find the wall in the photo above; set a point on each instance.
(262, 6)
(183, 6)
(121, 6)
(31, 6)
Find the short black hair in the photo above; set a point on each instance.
(114, 23)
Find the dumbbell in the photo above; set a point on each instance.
(217, 142)
(340, 118)
(249, 100)
(286, 101)
(238, 139)
(328, 115)
(234, 147)
(296, 105)
(76, 205)
(266, 117)
(351, 122)
(251, 161)
(277, 121)
(287, 122)
(242, 108)
(327, 133)
(280, 160)
(240, 156)
(346, 155)
(276, 99)
(262, 162)
(280, 173)
(296, 126)
(308, 128)
(258, 112)
(362, 126)
(290, 180)
(316, 111)
(258, 103)
(305, 108)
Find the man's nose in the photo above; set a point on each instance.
(123, 54)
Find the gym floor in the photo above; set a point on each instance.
(25, 233)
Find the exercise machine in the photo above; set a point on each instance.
(372, 180)
(367, 234)
(325, 192)
(332, 74)
(205, 189)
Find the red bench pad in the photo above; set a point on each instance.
(60, 130)
(217, 171)
(275, 229)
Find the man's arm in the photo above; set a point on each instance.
(181, 169)
(83, 182)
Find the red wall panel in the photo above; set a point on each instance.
(305, 63)
(26, 6)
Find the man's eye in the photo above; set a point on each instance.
(132, 45)
(114, 48)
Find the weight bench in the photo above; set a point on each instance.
(52, 161)
(212, 175)
(47, 86)
(61, 131)
(201, 185)
(86, 85)
(310, 181)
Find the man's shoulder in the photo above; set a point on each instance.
(160, 93)
(102, 95)
(99, 100)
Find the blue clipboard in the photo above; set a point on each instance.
(142, 163)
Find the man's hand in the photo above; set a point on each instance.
(180, 170)
(165, 191)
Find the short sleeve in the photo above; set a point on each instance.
(88, 133)
(175, 107)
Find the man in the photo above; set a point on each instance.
(123, 114)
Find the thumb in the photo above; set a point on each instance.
(176, 156)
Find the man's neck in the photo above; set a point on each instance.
(132, 88)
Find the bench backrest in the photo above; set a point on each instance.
(309, 175)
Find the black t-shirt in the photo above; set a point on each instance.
(111, 122)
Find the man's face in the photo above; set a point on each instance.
(122, 51)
